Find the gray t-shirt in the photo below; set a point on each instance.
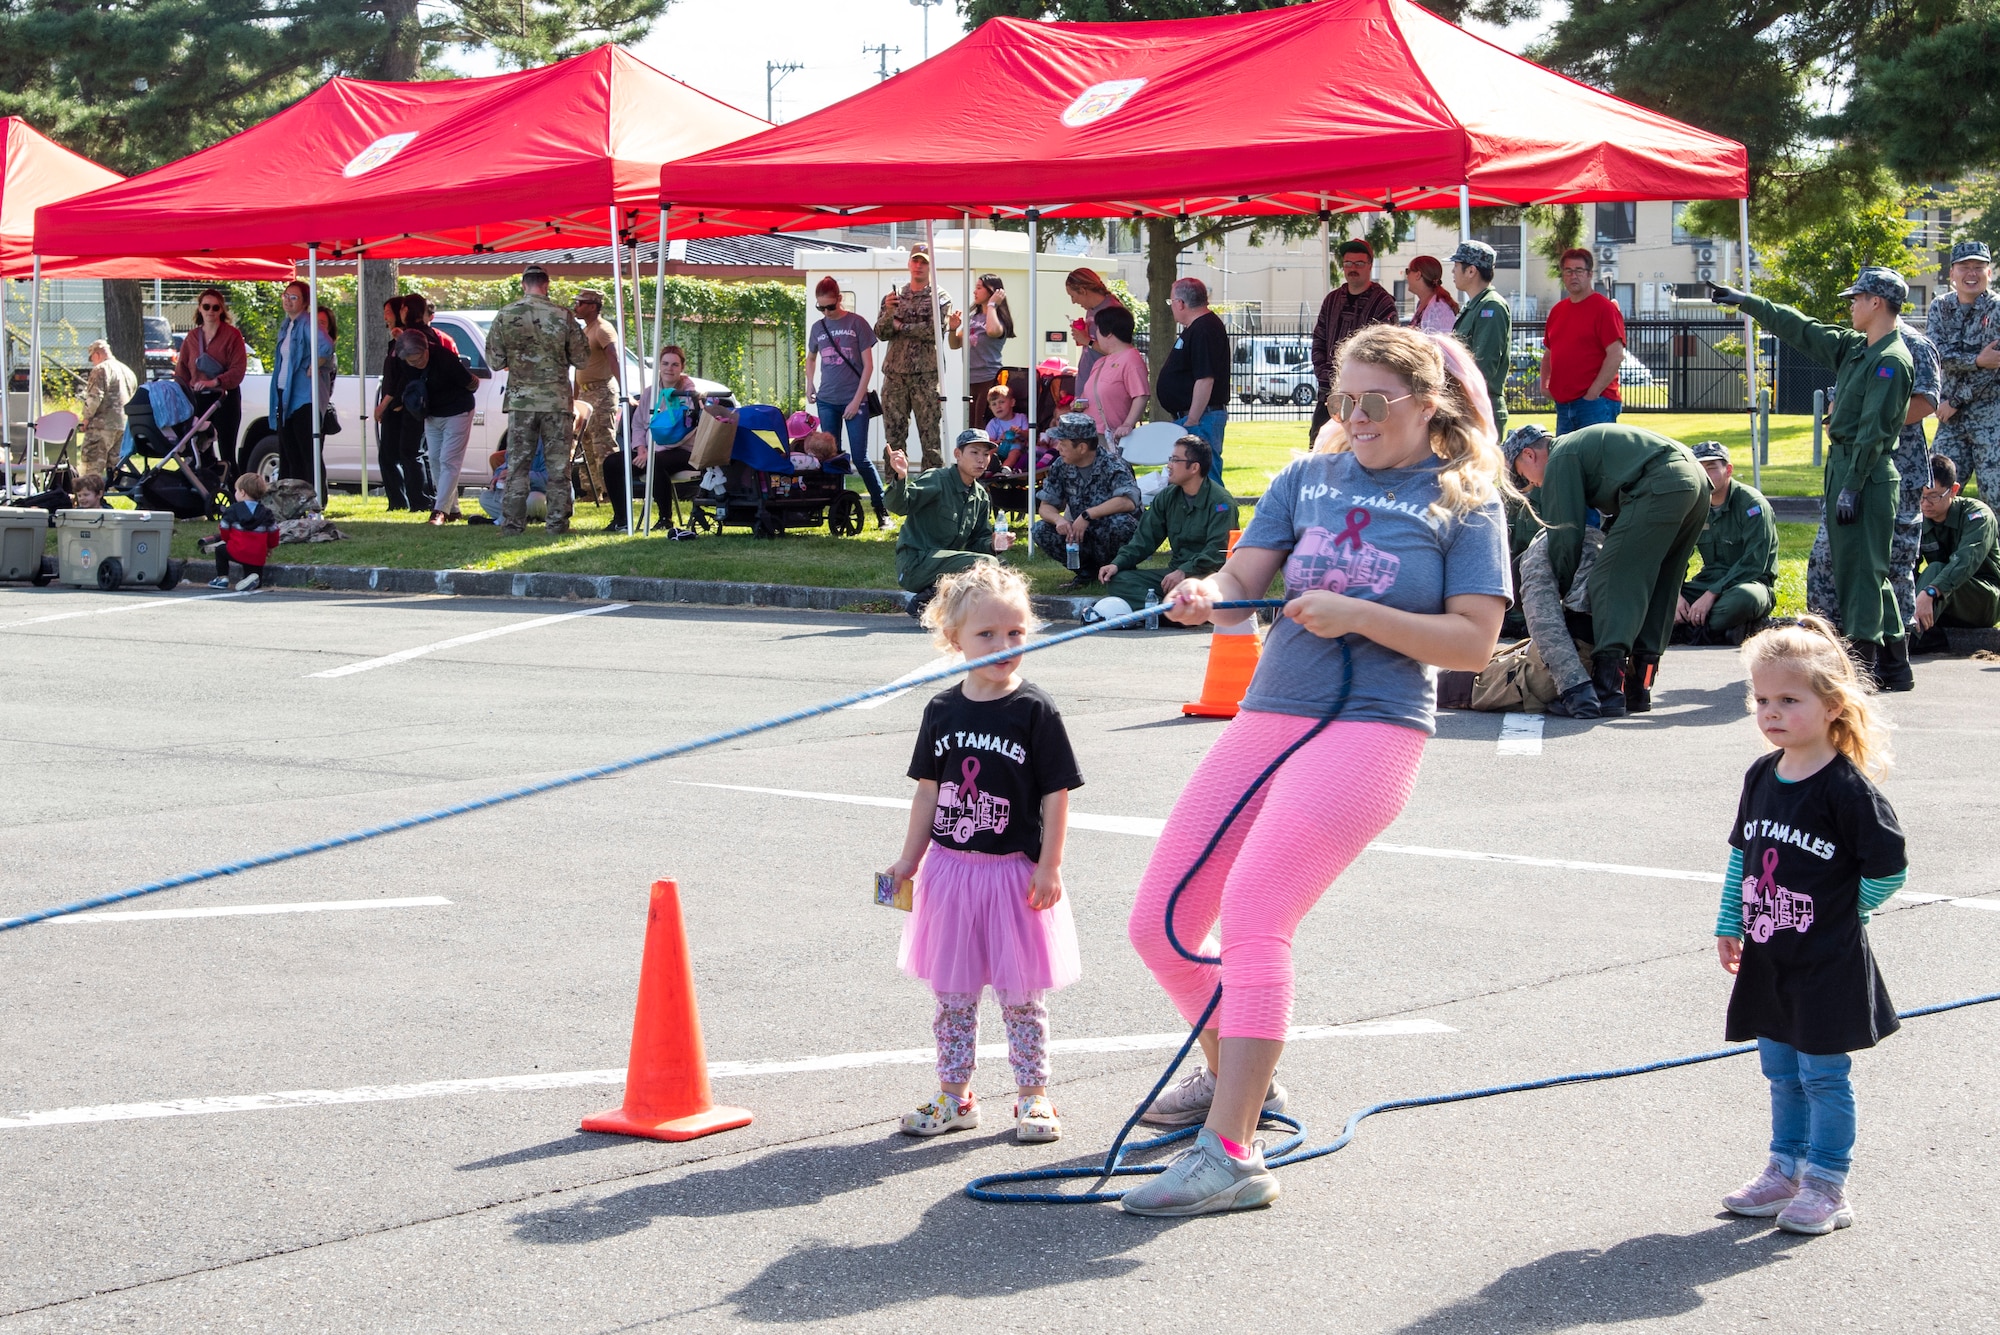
(838, 341)
(986, 349)
(1367, 535)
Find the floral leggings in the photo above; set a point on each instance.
(957, 1030)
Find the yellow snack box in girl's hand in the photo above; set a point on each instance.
(891, 893)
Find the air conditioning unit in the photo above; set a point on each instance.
(1607, 254)
(1704, 254)
(1705, 274)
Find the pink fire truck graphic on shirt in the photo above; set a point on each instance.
(1769, 908)
(1341, 562)
(963, 811)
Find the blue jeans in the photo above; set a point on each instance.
(1812, 1108)
(1210, 429)
(857, 444)
(1584, 412)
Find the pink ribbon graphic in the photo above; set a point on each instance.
(969, 773)
(1766, 885)
(1357, 519)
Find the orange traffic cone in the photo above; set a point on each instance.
(1232, 661)
(666, 1078)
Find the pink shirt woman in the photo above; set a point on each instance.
(1437, 312)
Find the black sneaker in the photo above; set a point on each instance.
(918, 602)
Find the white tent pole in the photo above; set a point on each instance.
(1465, 213)
(937, 316)
(618, 301)
(6, 398)
(1034, 375)
(34, 369)
(1750, 349)
(645, 378)
(659, 328)
(965, 309)
(312, 352)
(360, 364)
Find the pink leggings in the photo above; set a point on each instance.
(1298, 833)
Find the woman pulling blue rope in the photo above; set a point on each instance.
(1393, 544)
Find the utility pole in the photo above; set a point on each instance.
(774, 74)
(925, 5)
(884, 51)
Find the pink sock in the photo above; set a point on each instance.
(1235, 1151)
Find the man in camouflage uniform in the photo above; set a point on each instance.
(1965, 324)
(594, 385)
(1088, 497)
(907, 327)
(1912, 462)
(105, 394)
(537, 344)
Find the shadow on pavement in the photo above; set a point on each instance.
(580, 1142)
(803, 1175)
(1641, 1279)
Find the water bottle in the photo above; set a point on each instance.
(1073, 556)
(1000, 538)
(1152, 609)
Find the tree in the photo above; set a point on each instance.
(1820, 260)
(1905, 101)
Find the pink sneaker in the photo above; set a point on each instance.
(1820, 1207)
(1764, 1195)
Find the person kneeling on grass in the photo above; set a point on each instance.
(948, 518)
(247, 535)
(1959, 584)
(1192, 515)
(1736, 587)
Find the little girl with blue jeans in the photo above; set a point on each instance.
(1815, 849)
(994, 768)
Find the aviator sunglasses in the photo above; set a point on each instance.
(1374, 406)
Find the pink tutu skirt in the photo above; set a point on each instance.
(970, 927)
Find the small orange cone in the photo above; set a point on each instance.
(1232, 661)
(666, 1078)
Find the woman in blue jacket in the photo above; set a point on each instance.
(291, 384)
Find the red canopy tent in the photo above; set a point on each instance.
(569, 152)
(1343, 105)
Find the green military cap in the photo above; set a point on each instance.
(591, 295)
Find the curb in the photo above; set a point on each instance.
(614, 588)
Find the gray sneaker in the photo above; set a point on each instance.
(1206, 1180)
(1188, 1102)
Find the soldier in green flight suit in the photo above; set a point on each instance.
(1484, 325)
(1192, 514)
(948, 522)
(1738, 580)
(1960, 582)
(1658, 497)
(1871, 394)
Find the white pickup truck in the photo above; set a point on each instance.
(354, 401)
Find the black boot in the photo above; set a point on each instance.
(1932, 641)
(1892, 666)
(1639, 683)
(1579, 701)
(1607, 675)
(1863, 653)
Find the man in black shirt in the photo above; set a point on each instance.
(1354, 305)
(1194, 383)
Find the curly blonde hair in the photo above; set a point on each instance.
(1814, 648)
(1443, 376)
(958, 595)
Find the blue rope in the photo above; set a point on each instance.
(594, 772)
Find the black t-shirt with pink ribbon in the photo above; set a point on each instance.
(1808, 977)
(993, 762)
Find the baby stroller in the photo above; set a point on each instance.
(186, 471)
(763, 492)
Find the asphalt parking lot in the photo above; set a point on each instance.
(364, 1117)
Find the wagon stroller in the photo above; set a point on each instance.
(192, 487)
(763, 492)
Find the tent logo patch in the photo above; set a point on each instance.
(1100, 100)
(377, 153)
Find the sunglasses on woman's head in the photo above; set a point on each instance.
(1374, 406)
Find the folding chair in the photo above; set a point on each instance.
(53, 429)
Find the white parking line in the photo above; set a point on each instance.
(138, 605)
(405, 655)
(1150, 827)
(315, 1098)
(246, 910)
(934, 665)
(1520, 735)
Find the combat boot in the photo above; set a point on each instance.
(1863, 653)
(1579, 701)
(1607, 675)
(1892, 666)
(1639, 683)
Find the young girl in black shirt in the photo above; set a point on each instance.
(994, 768)
(1815, 850)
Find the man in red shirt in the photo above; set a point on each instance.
(1585, 340)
